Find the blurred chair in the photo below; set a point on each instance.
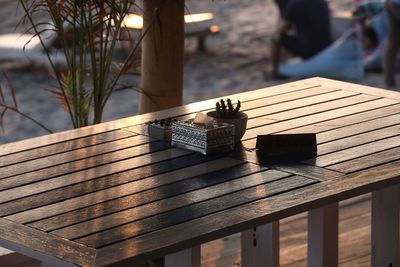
(198, 25)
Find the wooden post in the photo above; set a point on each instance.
(260, 246)
(162, 55)
(385, 228)
(185, 258)
(323, 236)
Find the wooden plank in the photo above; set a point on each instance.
(310, 171)
(260, 246)
(290, 96)
(346, 121)
(368, 161)
(79, 154)
(63, 147)
(296, 123)
(114, 254)
(363, 89)
(385, 246)
(232, 182)
(258, 102)
(300, 104)
(116, 194)
(327, 106)
(69, 135)
(76, 190)
(355, 152)
(323, 235)
(191, 212)
(336, 124)
(289, 114)
(252, 214)
(82, 175)
(44, 246)
(356, 140)
(363, 127)
(140, 119)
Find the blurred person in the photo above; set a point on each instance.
(393, 44)
(303, 31)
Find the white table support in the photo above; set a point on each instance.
(323, 236)
(385, 250)
(260, 246)
(185, 258)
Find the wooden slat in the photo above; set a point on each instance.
(101, 183)
(63, 147)
(278, 99)
(80, 176)
(302, 106)
(194, 211)
(127, 122)
(367, 161)
(79, 154)
(41, 245)
(346, 121)
(137, 213)
(344, 126)
(357, 140)
(324, 116)
(117, 193)
(359, 128)
(355, 152)
(61, 137)
(249, 215)
(290, 97)
(335, 105)
(309, 171)
(390, 94)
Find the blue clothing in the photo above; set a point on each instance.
(312, 22)
(397, 2)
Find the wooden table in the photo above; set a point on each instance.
(109, 195)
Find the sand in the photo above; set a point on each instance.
(233, 63)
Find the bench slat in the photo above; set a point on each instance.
(124, 190)
(194, 211)
(101, 183)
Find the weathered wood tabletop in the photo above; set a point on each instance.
(110, 195)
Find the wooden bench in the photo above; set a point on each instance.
(197, 25)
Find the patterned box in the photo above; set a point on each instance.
(219, 137)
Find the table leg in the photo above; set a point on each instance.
(260, 246)
(185, 258)
(323, 235)
(385, 227)
(45, 264)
